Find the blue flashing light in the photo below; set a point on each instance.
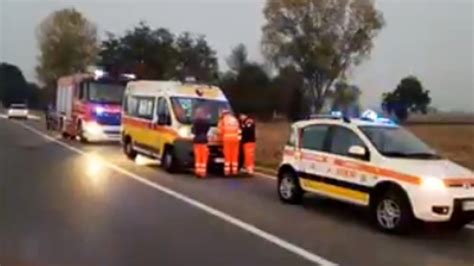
(99, 110)
(336, 113)
(372, 116)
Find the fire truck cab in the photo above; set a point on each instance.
(88, 106)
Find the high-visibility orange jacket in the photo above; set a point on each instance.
(229, 128)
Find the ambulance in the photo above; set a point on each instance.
(157, 120)
(373, 162)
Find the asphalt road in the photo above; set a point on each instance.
(64, 203)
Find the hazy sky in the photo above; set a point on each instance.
(432, 39)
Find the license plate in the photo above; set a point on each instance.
(219, 160)
(468, 206)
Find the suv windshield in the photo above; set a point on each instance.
(106, 93)
(398, 142)
(184, 107)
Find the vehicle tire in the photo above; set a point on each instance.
(80, 133)
(289, 190)
(392, 212)
(169, 161)
(128, 149)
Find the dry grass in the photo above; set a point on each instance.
(456, 142)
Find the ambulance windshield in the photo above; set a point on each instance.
(398, 142)
(184, 107)
(105, 93)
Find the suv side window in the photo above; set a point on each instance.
(314, 137)
(341, 139)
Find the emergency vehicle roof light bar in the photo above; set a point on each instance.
(335, 115)
(371, 115)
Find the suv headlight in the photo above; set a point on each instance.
(433, 183)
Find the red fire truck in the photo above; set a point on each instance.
(88, 106)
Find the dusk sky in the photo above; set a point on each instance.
(432, 39)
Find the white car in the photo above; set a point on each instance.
(375, 163)
(18, 111)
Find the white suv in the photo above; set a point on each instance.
(375, 163)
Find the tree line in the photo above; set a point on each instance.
(309, 47)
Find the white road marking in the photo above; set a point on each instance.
(34, 117)
(197, 204)
(259, 174)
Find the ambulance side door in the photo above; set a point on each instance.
(162, 126)
(313, 161)
(144, 133)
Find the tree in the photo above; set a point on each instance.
(238, 58)
(250, 90)
(196, 58)
(248, 85)
(15, 89)
(67, 43)
(146, 52)
(320, 38)
(158, 54)
(290, 95)
(346, 98)
(12, 85)
(409, 96)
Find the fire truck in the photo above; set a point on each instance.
(88, 106)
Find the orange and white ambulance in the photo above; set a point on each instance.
(157, 119)
(375, 163)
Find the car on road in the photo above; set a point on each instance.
(157, 120)
(373, 162)
(17, 110)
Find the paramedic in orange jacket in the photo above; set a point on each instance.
(247, 126)
(200, 129)
(230, 133)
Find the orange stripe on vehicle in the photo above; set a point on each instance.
(459, 181)
(144, 124)
(382, 172)
(315, 157)
(288, 152)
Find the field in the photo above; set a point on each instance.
(455, 142)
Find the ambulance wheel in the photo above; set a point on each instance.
(128, 149)
(289, 190)
(392, 212)
(169, 161)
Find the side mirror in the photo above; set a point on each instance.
(358, 152)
